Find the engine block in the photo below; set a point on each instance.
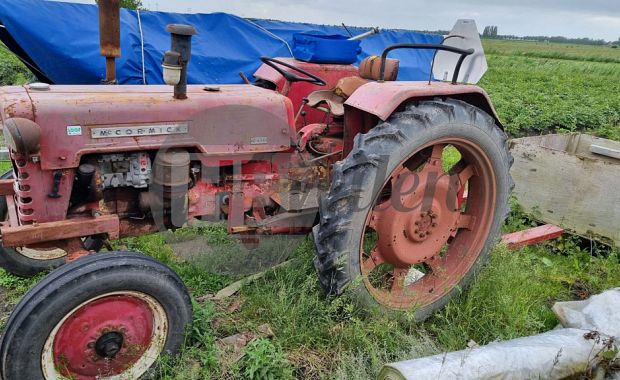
(125, 170)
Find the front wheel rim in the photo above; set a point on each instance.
(41, 254)
(114, 336)
(424, 245)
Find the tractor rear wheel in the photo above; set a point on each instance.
(103, 316)
(27, 262)
(415, 208)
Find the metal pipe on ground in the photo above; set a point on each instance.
(587, 344)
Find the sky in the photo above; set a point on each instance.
(599, 19)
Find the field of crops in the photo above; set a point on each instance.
(538, 88)
(294, 332)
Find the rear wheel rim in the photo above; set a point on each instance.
(421, 237)
(113, 336)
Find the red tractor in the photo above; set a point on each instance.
(404, 186)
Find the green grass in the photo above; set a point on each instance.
(317, 338)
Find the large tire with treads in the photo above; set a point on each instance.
(406, 143)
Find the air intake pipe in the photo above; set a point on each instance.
(177, 58)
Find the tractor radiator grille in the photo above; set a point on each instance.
(23, 187)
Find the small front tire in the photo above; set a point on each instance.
(104, 315)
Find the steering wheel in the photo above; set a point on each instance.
(289, 76)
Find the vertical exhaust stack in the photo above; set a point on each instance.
(110, 36)
(177, 58)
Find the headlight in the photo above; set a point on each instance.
(22, 135)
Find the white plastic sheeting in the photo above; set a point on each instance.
(592, 328)
(600, 312)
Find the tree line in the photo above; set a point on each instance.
(491, 32)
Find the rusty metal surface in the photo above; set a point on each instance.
(110, 28)
(13, 220)
(238, 119)
(60, 230)
(6, 187)
(15, 102)
(32, 188)
(110, 71)
(382, 99)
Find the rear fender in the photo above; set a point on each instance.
(382, 99)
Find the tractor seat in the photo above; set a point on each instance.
(369, 70)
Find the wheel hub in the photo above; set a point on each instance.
(423, 226)
(109, 344)
(414, 227)
(104, 337)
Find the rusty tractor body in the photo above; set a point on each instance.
(404, 185)
(222, 127)
(243, 137)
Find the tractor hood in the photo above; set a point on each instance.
(219, 120)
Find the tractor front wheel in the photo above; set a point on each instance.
(102, 316)
(415, 208)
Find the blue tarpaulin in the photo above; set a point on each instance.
(62, 41)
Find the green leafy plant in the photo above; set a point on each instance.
(131, 4)
(12, 70)
(265, 360)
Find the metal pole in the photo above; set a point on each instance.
(369, 33)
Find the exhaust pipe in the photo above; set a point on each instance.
(110, 36)
(177, 58)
